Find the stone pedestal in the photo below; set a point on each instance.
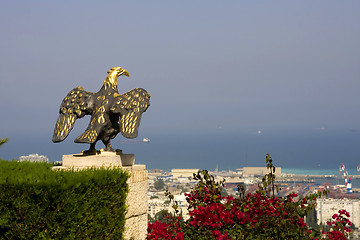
(104, 159)
(137, 200)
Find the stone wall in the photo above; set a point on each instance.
(137, 200)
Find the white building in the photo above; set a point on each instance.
(157, 204)
(34, 158)
(326, 208)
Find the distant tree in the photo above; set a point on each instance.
(161, 216)
(150, 219)
(311, 220)
(3, 140)
(223, 192)
(159, 184)
(184, 189)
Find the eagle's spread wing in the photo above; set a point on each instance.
(131, 105)
(76, 104)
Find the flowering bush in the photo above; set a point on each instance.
(167, 229)
(339, 226)
(252, 216)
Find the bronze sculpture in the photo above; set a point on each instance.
(106, 107)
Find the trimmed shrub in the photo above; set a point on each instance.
(39, 203)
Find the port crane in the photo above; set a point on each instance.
(347, 178)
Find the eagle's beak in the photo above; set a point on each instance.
(123, 72)
(126, 73)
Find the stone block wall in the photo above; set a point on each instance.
(137, 200)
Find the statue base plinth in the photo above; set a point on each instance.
(137, 199)
(103, 159)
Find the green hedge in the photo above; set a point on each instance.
(39, 203)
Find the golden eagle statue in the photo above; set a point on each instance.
(106, 107)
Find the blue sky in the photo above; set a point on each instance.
(210, 66)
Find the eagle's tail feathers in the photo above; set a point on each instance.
(89, 136)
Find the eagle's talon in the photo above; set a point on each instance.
(110, 150)
(91, 152)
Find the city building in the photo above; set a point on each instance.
(156, 205)
(326, 208)
(185, 173)
(155, 173)
(34, 158)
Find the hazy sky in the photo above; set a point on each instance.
(209, 65)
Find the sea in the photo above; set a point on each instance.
(297, 151)
(335, 179)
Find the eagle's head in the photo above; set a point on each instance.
(116, 72)
(113, 74)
